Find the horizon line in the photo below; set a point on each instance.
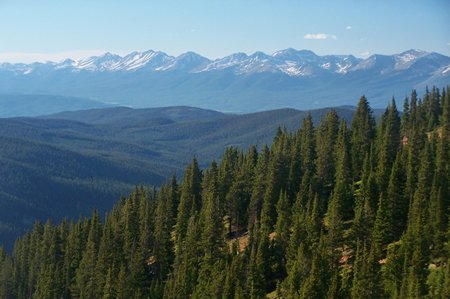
(78, 55)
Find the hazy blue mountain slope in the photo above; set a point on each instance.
(55, 167)
(34, 105)
(124, 115)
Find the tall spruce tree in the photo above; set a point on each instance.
(276, 180)
(396, 200)
(365, 203)
(282, 234)
(308, 156)
(341, 202)
(239, 195)
(162, 246)
(390, 144)
(326, 157)
(362, 134)
(259, 188)
(366, 277)
(190, 201)
(85, 283)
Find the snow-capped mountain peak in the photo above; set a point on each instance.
(227, 62)
(405, 59)
(186, 62)
(97, 63)
(137, 60)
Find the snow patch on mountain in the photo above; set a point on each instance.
(326, 66)
(226, 62)
(134, 61)
(343, 68)
(405, 59)
(446, 70)
(291, 68)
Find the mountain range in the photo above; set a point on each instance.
(236, 83)
(294, 63)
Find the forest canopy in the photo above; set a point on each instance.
(340, 210)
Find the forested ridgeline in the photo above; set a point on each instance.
(340, 210)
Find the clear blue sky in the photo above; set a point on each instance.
(40, 30)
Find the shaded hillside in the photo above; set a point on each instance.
(54, 167)
(125, 115)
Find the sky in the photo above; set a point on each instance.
(45, 30)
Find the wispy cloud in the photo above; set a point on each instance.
(17, 57)
(320, 36)
(348, 27)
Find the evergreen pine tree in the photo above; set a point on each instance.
(440, 198)
(239, 196)
(406, 118)
(382, 231)
(308, 157)
(365, 194)
(6, 280)
(389, 143)
(366, 278)
(333, 289)
(85, 284)
(416, 240)
(276, 180)
(432, 106)
(186, 265)
(226, 173)
(362, 134)
(105, 259)
(190, 200)
(396, 199)
(211, 239)
(326, 156)
(282, 234)
(341, 203)
(108, 289)
(259, 188)
(308, 145)
(162, 245)
(123, 289)
(316, 283)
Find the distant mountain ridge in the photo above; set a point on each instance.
(239, 82)
(33, 105)
(289, 61)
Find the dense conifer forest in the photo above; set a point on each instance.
(62, 166)
(337, 210)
